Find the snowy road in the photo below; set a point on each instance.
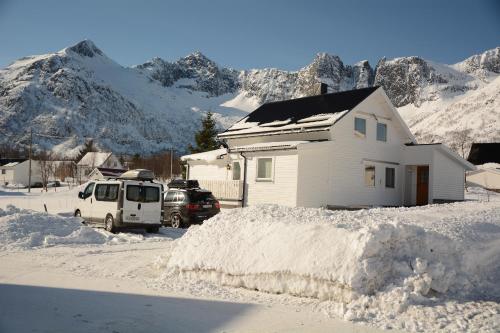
(112, 288)
(59, 276)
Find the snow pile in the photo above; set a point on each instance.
(400, 254)
(26, 229)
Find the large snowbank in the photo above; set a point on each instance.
(400, 254)
(26, 229)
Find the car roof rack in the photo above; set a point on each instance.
(184, 184)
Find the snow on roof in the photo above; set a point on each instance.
(207, 156)
(312, 111)
(94, 159)
(305, 123)
(9, 165)
(268, 146)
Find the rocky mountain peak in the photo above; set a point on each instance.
(86, 48)
(487, 61)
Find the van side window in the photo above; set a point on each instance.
(133, 193)
(106, 192)
(88, 190)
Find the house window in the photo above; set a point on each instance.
(360, 126)
(390, 177)
(265, 168)
(381, 132)
(3, 171)
(236, 171)
(370, 176)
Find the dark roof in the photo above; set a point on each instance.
(110, 172)
(300, 108)
(4, 161)
(481, 153)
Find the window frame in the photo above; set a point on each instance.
(393, 177)
(106, 193)
(259, 179)
(85, 193)
(356, 132)
(377, 132)
(142, 193)
(233, 170)
(366, 167)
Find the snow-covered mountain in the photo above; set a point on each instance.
(80, 93)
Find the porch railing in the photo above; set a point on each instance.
(224, 189)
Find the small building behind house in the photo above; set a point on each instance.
(105, 173)
(93, 160)
(486, 157)
(15, 172)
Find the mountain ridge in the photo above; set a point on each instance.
(79, 92)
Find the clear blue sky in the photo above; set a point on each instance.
(252, 34)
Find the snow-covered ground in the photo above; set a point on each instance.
(265, 268)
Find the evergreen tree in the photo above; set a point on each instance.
(206, 137)
(87, 148)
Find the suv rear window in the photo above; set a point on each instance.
(196, 196)
(143, 193)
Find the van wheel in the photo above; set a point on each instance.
(176, 220)
(109, 223)
(79, 214)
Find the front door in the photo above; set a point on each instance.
(422, 185)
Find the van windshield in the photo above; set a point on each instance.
(140, 193)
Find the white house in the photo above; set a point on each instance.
(486, 156)
(16, 172)
(347, 149)
(93, 160)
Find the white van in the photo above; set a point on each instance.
(131, 201)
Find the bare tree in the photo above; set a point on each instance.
(461, 141)
(46, 162)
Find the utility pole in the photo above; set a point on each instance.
(171, 162)
(29, 172)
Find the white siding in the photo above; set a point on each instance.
(204, 171)
(314, 184)
(283, 189)
(448, 180)
(350, 154)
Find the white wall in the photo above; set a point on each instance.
(216, 170)
(448, 180)
(283, 189)
(313, 183)
(350, 154)
(6, 176)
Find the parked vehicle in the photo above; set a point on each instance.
(185, 204)
(131, 201)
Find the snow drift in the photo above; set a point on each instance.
(25, 229)
(345, 256)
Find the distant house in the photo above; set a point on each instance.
(105, 173)
(93, 160)
(346, 149)
(16, 172)
(486, 156)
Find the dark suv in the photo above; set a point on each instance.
(186, 206)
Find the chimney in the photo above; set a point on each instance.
(323, 89)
